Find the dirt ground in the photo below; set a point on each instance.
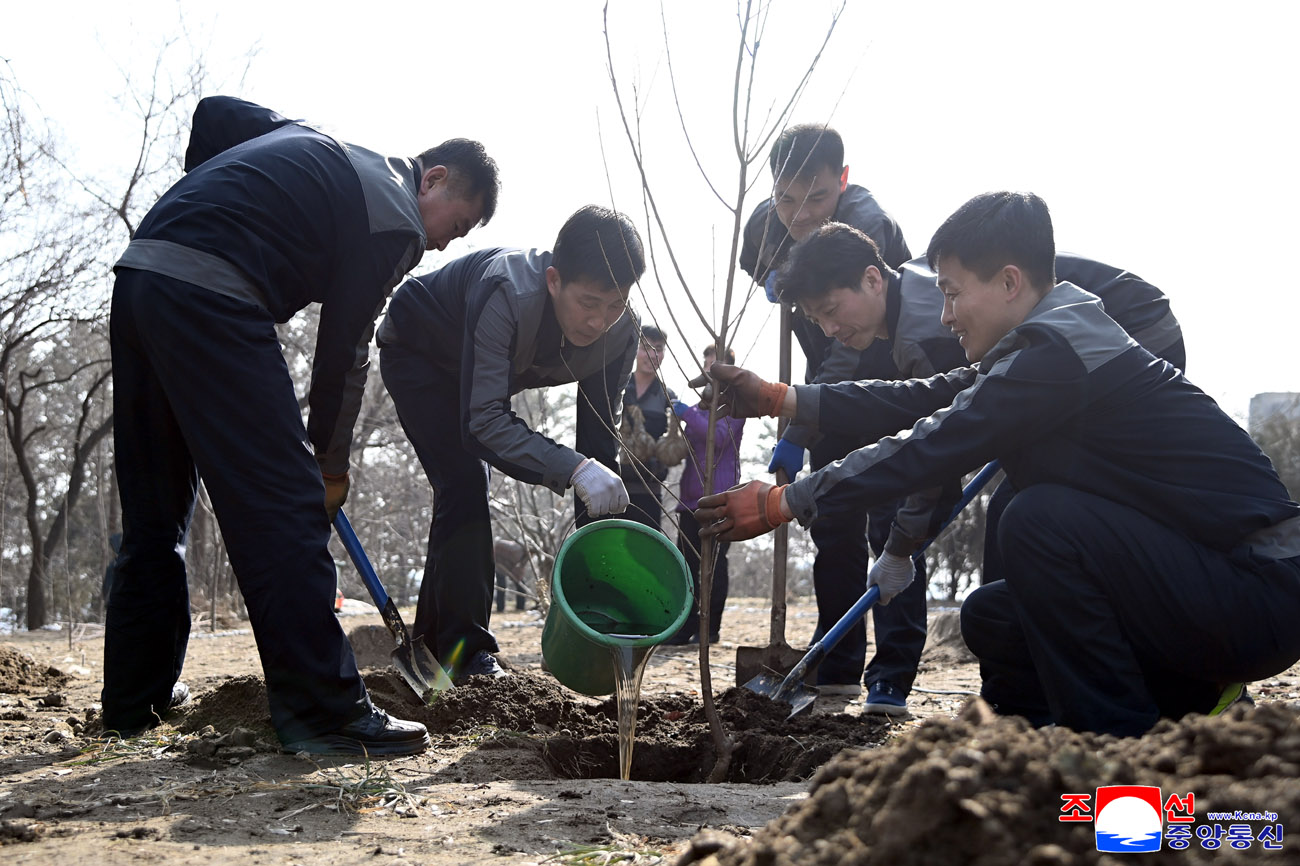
(523, 771)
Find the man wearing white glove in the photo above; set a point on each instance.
(600, 489)
(456, 345)
(892, 573)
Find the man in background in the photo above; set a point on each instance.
(645, 478)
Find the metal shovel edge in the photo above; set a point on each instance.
(412, 659)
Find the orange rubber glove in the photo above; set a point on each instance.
(744, 395)
(742, 512)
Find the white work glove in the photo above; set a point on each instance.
(892, 573)
(600, 489)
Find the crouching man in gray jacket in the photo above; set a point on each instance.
(456, 345)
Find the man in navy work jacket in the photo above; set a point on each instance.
(272, 215)
(455, 346)
(810, 188)
(1151, 555)
(838, 280)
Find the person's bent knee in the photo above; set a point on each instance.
(985, 615)
(1031, 507)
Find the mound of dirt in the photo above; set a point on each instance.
(673, 742)
(943, 644)
(372, 645)
(21, 675)
(987, 790)
(239, 702)
(578, 740)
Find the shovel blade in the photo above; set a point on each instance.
(420, 670)
(765, 685)
(800, 696)
(778, 659)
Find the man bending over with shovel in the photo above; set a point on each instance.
(456, 345)
(1151, 554)
(271, 216)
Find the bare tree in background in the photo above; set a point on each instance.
(53, 360)
(61, 226)
(753, 128)
(955, 558)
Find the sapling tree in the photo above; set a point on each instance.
(754, 120)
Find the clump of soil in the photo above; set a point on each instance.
(520, 702)
(20, 674)
(372, 645)
(986, 790)
(239, 702)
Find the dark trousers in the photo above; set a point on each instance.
(688, 542)
(200, 389)
(998, 502)
(506, 584)
(1108, 619)
(455, 602)
(844, 547)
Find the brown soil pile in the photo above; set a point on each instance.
(21, 675)
(239, 702)
(673, 742)
(986, 790)
(372, 645)
(580, 740)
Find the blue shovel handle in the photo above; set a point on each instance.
(854, 614)
(358, 554)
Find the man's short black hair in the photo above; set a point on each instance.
(997, 229)
(472, 172)
(835, 256)
(600, 245)
(804, 150)
(728, 354)
(653, 334)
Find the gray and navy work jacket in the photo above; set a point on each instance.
(767, 242)
(1067, 397)
(920, 345)
(488, 321)
(280, 215)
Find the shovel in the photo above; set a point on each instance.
(412, 659)
(792, 689)
(777, 656)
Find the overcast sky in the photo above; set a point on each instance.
(1162, 135)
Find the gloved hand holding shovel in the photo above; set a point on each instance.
(892, 573)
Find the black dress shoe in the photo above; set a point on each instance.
(374, 734)
(481, 664)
